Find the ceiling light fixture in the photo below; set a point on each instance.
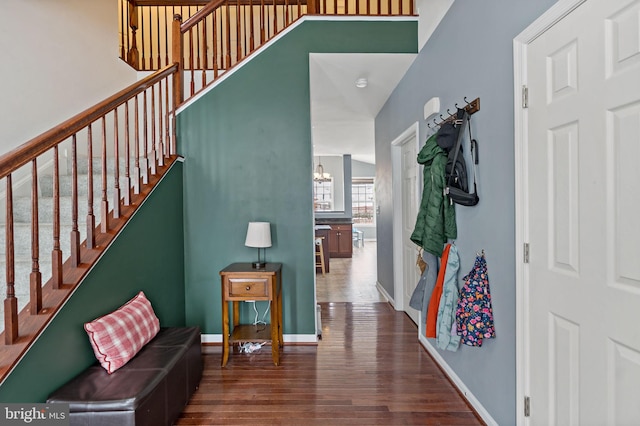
(361, 83)
(320, 175)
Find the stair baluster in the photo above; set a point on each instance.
(10, 303)
(75, 234)
(137, 177)
(104, 205)
(116, 166)
(126, 196)
(56, 254)
(35, 277)
(91, 219)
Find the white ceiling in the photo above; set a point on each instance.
(342, 115)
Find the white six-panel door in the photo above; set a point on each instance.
(582, 210)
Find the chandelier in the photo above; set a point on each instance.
(320, 175)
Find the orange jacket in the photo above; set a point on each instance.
(434, 302)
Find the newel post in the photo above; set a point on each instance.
(177, 53)
(132, 55)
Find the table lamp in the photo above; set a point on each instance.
(259, 236)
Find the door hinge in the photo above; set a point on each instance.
(525, 96)
(525, 253)
(527, 406)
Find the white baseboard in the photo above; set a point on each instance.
(385, 294)
(484, 414)
(300, 338)
(288, 338)
(211, 338)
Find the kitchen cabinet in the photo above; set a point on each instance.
(340, 240)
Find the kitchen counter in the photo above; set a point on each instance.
(336, 221)
(340, 236)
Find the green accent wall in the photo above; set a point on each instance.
(147, 256)
(248, 157)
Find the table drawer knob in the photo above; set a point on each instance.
(248, 288)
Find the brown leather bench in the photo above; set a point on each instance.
(151, 389)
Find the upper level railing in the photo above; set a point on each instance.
(217, 35)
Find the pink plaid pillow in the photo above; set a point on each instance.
(117, 337)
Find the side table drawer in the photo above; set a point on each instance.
(247, 287)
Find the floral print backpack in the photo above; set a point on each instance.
(474, 316)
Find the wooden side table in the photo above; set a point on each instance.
(241, 283)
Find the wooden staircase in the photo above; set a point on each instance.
(78, 184)
(80, 181)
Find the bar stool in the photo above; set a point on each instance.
(319, 254)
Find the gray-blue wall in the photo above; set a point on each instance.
(470, 54)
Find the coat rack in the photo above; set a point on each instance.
(471, 108)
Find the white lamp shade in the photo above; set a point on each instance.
(258, 235)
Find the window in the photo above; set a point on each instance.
(323, 194)
(363, 203)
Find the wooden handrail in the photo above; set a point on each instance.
(176, 3)
(185, 3)
(201, 14)
(13, 160)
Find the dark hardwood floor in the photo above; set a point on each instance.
(368, 369)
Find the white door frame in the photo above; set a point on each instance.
(558, 11)
(411, 135)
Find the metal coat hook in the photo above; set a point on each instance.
(471, 108)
